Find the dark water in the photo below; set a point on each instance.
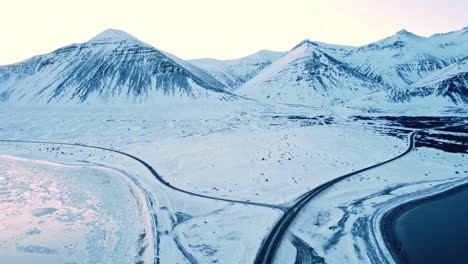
(436, 230)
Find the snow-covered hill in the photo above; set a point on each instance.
(404, 58)
(449, 83)
(315, 73)
(308, 75)
(445, 87)
(233, 73)
(116, 67)
(112, 67)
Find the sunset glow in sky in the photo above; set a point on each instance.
(219, 28)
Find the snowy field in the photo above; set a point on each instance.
(56, 213)
(342, 224)
(243, 152)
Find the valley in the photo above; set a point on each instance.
(113, 151)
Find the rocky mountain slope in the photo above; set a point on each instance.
(308, 75)
(449, 83)
(405, 58)
(115, 67)
(112, 67)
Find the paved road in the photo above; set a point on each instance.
(305, 254)
(152, 171)
(270, 244)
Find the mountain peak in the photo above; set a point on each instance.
(114, 35)
(400, 37)
(307, 42)
(405, 33)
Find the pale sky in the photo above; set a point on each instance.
(218, 28)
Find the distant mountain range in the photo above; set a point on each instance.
(310, 73)
(234, 73)
(116, 67)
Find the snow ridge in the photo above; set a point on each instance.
(112, 67)
(390, 65)
(115, 67)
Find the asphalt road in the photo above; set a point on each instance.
(305, 254)
(152, 171)
(270, 244)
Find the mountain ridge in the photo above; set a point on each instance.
(115, 66)
(111, 66)
(307, 75)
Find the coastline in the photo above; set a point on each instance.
(388, 221)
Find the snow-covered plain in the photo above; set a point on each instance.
(247, 152)
(56, 213)
(342, 224)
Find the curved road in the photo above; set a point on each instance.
(305, 254)
(152, 171)
(270, 244)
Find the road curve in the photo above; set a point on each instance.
(305, 253)
(152, 171)
(270, 244)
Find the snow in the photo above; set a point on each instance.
(71, 203)
(307, 75)
(405, 58)
(56, 213)
(438, 90)
(355, 206)
(114, 67)
(395, 62)
(115, 35)
(243, 151)
(443, 74)
(251, 162)
(183, 142)
(233, 73)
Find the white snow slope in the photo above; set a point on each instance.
(445, 87)
(394, 62)
(112, 67)
(115, 67)
(233, 73)
(448, 84)
(404, 58)
(307, 75)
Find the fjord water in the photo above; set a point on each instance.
(435, 230)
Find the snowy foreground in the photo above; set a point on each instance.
(73, 204)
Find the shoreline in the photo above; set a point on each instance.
(388, 221)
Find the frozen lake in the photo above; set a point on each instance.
(56, 213)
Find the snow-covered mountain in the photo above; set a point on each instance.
(308, 75)
(341, 73)
(233, 73)
(448, 84)
(404, 58)
(116, 67)
(111, 67)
